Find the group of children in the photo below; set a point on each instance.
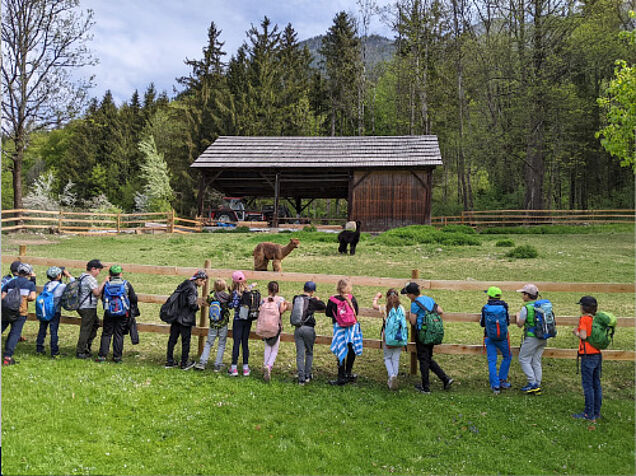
(243, 303)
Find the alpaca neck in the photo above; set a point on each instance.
(288, 248)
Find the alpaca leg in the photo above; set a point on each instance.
(342, 248)
(276, 265)
(352, 249)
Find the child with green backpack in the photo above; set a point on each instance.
(395, 333)
(219, 316)
(594, 332)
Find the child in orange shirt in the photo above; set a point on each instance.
(591, 362)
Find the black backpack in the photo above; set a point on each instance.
(170, 309)
(11, 305)
(249, 304)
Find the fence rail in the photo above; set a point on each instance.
(455, 349)
(536, 217)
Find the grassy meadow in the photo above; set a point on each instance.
(78, 417)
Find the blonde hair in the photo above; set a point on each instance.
(239, 286)
(220, 285)
(392, 300)
(343, 286)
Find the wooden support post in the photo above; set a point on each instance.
(119, 223)
(415, 274)
(204, 308)
(276, 200)
(22, 252)
(171, 221)
(59, 222)
(298, 206)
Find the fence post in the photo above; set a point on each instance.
(59, 222)
(204, 308)
(415, 274)
(119, 223)
(22, 252)
(171, 221)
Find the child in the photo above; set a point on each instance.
(391, 352)
(240, 327)
(347, 336)
(186, 319)
(591, 361)
(532, 348)
(24, 290)
(57, 287)
(424, 351)
(305, 333)
(495, 321)
(278, 306)
(218, 328)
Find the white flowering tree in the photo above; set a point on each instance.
(157, 194)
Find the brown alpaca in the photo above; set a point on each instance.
(264, 252)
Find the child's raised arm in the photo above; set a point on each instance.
(376, 298)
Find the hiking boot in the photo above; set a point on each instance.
(170, 365)
(199, 366)
(422, 390)
(100, 359)
(583, 416)
(504, 385)
(267, 374)
(232, 372)
(246, 372)
(496, 391)
(448, 383)
(8, 361)
(187, 365)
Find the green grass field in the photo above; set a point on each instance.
(79, 417)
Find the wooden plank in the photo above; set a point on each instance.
(28, 218)
(84, 220)
(543, 286)
(137, 222)
(196, 222)
(25, 210)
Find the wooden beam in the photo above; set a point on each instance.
(276, 200)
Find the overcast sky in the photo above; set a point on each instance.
(139, 41)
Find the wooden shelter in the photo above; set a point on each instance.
(386, 180)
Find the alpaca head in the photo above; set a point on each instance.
(358, 225)
(294, 242)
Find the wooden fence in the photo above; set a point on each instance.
(89, 223)
(486, 218)
(455, 349)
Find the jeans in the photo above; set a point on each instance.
(530, 358)
(88, 329)
(271, 352)
(345, 368)
(304, 337)
(14, 335)
(213, 333)
(425, 356)
(114, 327)
(241, 335)
(503, 346)
(392, 360)
(591, 366)
(54, 325)
(185, 332)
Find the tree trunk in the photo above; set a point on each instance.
(18, 157)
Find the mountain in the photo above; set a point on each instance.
(379, 49)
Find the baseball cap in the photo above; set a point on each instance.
(200, 274)
(530, 289)
(115, 269)
(53, 272)
(94, 263)
(238, 276)
(14, 266)
(309, 286)
(24, 268)
(410, 288)
(493, 291)
(588, 301)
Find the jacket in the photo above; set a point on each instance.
(188, 302)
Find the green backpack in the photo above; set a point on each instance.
(603, 327)
(430, 329)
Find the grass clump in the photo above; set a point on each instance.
(425, 234)
(309, 229)
(467, 230)
(505, 243)
(238, 229)
(523, 252)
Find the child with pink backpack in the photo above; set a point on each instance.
(347, 336)
(269, 326)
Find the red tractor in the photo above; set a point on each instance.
(232, 210)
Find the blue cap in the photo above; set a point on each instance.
(310, 286)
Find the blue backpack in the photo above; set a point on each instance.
(218, 314)
(45, 308)
(116, 301)
(396, 332)
(495, 319)
(544, 320)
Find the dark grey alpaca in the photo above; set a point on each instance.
(350, 238)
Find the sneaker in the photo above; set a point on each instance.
(267, 374)
(301, 382)
(448, 383)
(527, 388)
(170, 365)
(395, 383)
(55, 356)
(83, 356)
(117, 361)
(246, 372)
(496, 390)
(504, 385)
(232, 372)
(309, 379)
(8, 361)
(187, 365)
(199, 366)
(100, 359)
(337, 382)
(422, 390)
(583, 416)
(351, 377)
(389, 383)
(536, 389)
(218, 367)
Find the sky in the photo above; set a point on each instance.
(139, 41)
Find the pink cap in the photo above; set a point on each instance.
(530, 289)
(238, 276)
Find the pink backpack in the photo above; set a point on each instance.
(268, 323)
(345, 315)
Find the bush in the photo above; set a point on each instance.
(559, 229)
(238, 229)
(505, 243)
(309, 229)
(523, 252)
(468, 230)
(422, 234)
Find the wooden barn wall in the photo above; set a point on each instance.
(382, 200)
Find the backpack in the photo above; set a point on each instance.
(11, 306)
(248, 305)
(430, 328)
(45, 308)
(6, 279)
(169, 311)
(603, 327)
(116, 301)
(396, 332)
(299, 310)
(268, 323)
(218, 314)
(544, 320)
(495, 320)
(345, 314)
(70, 297)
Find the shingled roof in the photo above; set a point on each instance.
(321, 152)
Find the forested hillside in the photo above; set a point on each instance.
(511, 89)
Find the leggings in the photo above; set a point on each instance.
(271, 351)
(241, 335)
